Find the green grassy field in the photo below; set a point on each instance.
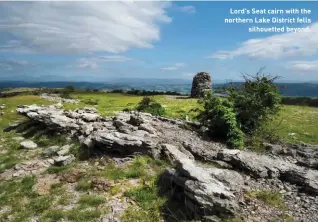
(294, 123)
(11, 103)
(109, 103)
(298, 123)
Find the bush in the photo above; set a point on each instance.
(69, 89)
(257, 100)
(151, 93)
(65, 95)
(149, 105)
(246, 110)
(91, 101)
(219, 116)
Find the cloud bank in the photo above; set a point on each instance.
(176, 66)
(278, 46)
(303, 66)
(80, 27)
(94, 62)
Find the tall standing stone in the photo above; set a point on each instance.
(201, 84)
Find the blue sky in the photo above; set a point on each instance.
(85, 41)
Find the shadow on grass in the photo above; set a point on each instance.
(179, 207)
(42, 135)
(176, 207)
(45, 136)
(184, 97)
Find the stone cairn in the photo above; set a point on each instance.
(201, 84)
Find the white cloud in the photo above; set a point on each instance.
(176, 66)
(188, 9)
(87, 63)
(303, 66)
(81, 27)
(115, 58)
(277, 46)
(94, 62)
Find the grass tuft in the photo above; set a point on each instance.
(148, 200)
(83, 185)
(54, 215)
(91, 200)
(40, 204)
(80, 215)
(271, 198)
(58, 169)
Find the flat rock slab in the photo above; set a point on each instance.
(262, 166)
(19, 138)
(64, 150)
(30, 167)
(50, 151)
(63, 160)
(28, 144)
(207, 191)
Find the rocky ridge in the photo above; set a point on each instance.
(208, 192)
(57, 98)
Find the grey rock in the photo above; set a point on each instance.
(193, 124)
(147, 127)
(28, 144)
(140, 133)
(121, 142)
(64, 160)
(173, 154)
(90, 117)
(273, 148)
(87, 129)
(19, 138)
(205, 194)
(135, 120)
(50, 151)
(124, 127)
(308, 180)
(203, 129)
(263, 166)
(229, 177)
(64, 150)
(86, 110)
(57, 98)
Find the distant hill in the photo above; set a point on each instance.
(181, 86)
(294, 89)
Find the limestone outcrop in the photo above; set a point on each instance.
(207, 191)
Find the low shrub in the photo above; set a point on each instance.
(91, 101)
(219, 116)
(65, 95)
(149, 105)
(256, 101)
(246, 110)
